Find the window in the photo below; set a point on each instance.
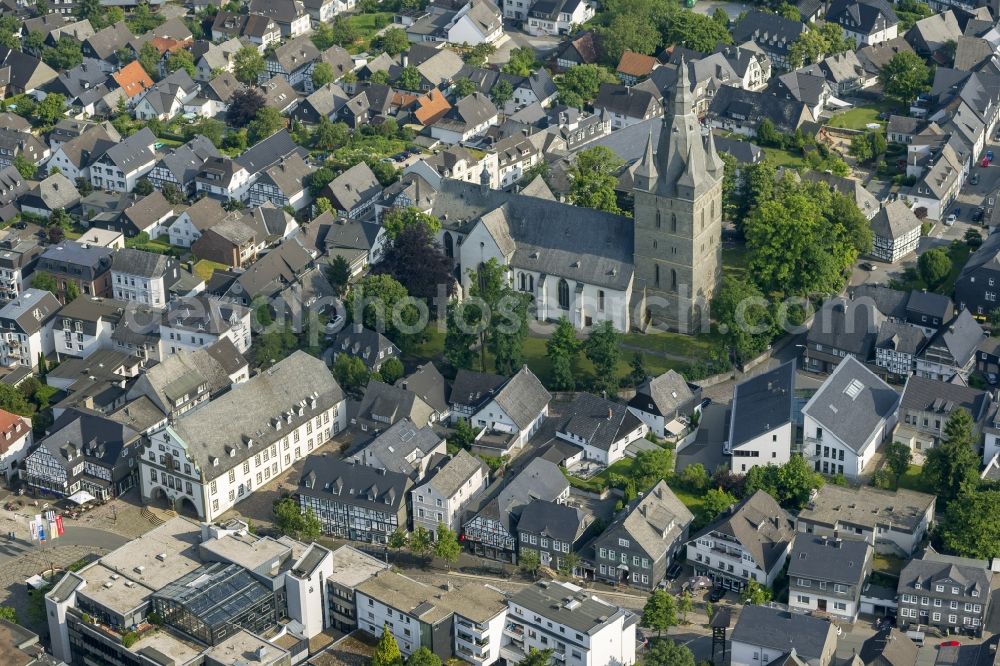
(673, 280)
(673, 222)
(563, 294)
(624, 543)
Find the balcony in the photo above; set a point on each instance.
(515, 631)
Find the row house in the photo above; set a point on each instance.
(447, 491)
(182, 165)
(84, 451)
(492, 531)
(85, 325)
(896, 349)
(26, 328)
(121, 166)
(926, 406)
(82, 266)
(951, 350)
(18, 258)
(749, 542)
(826, 575)
(293, 61)
(203, 320)
(553, 17)
(950, 594)
(602, 428)
(208, 462)
(978, 283)
(290, 15)
(642, 543)
(847, 420)
(552, 531)
(895, 232)
(762, 422)
(891, 521)
(15, 442)
(354, 501)
(143, 277)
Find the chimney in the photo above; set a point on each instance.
(358, 326)
(609, 413)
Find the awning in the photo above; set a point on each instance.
(81, 497)
(838, 103)
(675, 427)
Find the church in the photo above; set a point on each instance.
(658, 269)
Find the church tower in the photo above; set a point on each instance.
(678, 217)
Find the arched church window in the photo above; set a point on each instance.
(449, 245)
(673, 280)
(656, 275)
(658, 218)
(521, 281)
(563, 294)
(673, 222)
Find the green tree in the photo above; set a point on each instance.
(248, 65)
(44, 281)
(291, 520)
(393, 41)
(149, 58)
(386, 651)
(668, 653)
(447, 547)
(581, 84)
(479, 54)
(267, 122)
(630, 32)
(330, 136)
(24, 166)
(714, 504)
(562, 349)
(34, 42)
(421, 542)
(528, 560)
(594, 177)
(373, 300)
(911, 11)
(660, 612)
(695, 478)
(66, 54)
(143, 19)
(397, 539)
(522, 62)
(685, 604)
(463, 434)
(952, 466)
(756, 594)
(904, 77)
(210, 128)
(502, 93)
(322, 74)
(695, 31)
(507, 328)
(391, 370)
(350, 372)
(537, 657)
(897, 459)
(381, 76)
(422, 656)
(971, 525)
(463, 88)
(8, 613)
(12, 400)
(143, 188)
(934, 267)
(395, 220)
(410, 79)
(603, 349)
(459, 338)
(50, 109)
(651, 466)
(182, 59)
(744, 316)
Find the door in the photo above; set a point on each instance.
(821, 605)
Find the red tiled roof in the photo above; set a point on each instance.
(431, 107)
(12, 428)
(636, 64)
(133, 79)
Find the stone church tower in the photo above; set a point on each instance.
(678, 218)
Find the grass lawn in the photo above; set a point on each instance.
(784, 158)
(911, 480)
(959, 253)
(536, 358)
(887, 564)
(859, 117)
(365, 24)
(204, 268)
(698, 346)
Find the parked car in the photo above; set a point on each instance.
(977, 215)
(950, 644)
(974, 179)
(868, 266)
(675, 570)
(991, 377)
(989, 155)
(950, 220)
(334, 325)
(715, 594)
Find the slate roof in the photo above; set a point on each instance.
(470, 111)
(474, 388)
(902, 337)
(763, 28)
(211, 433)
(761, 526)
(180, 375)
(429, 384)
(864, 16)
(667, 391)
(390, 404)
(355, 484)
(762, 404)
(631, 102)
(890, 647)
(81, 78)
(601, 256)
(295, 54)
(890, 302)
(105, 42)
(540, 479)
(922, 302)
(874, 58)
(931, 395)
(134, 151)
(654, 521)
(852, 403)
(840, 560)
(281, 11)
(967, 574)
(783, 631)
(401, 447)
(894, 220)
(600, 422)
(553, 520)
(523, 398)
(751, 106)
(850, 325)
(23, 308)
(289, 174)
(961, 337)
(138, 262)
(55, 192)
(267, 152)
(448, 478)
(353, 187)
(931, 33)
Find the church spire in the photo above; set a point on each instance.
(715, 164)
(645, 173)
(683, 97)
